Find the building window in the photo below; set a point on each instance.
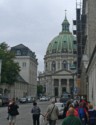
(74, 42)
(71, 82)
(75, 63)
(24, 53)
(64, 82)
(65, 64)
(18, 53)
(63, 90)
(56, 82)
(24, 64)
(53, 66)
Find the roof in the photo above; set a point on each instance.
(64, 42)
(21, 50)
(20, 79)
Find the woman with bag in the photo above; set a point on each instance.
(12, 112)
(52, 113)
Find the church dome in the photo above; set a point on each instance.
(64, 42)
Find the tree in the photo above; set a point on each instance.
(39, 89)
(9, 68)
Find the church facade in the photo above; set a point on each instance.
(60, 62)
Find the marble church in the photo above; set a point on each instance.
(60, 63)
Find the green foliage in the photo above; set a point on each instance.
(9, 69)
(39, 89)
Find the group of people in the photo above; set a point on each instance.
(51, 114)
(81, 113)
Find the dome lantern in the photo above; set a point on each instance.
(65, 24)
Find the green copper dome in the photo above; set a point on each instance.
(64, 42)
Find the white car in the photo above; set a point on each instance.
(43, 98)
(60, 107)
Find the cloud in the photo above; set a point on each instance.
(33, 23)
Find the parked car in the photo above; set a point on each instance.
(43, 98)
(64, 98)
(29, 99)
(23, 100)
(4, 100)
(47, 98)
(61, 108)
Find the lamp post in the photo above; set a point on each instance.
(74, 85)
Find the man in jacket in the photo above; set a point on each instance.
(36, 113)
(71, 119)
(52, 111)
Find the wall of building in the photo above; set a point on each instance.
(91, 27)
(17, 90)
(28, 72)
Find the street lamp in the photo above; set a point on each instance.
(74, 85)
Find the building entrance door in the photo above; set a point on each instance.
(63, 90)
(56, 92)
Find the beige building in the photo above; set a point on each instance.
(18, 89)
(60, 63)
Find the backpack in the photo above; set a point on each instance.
(81, 113)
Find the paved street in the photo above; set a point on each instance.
(25, 116)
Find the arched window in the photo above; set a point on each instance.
(53, 67)
(64, 64)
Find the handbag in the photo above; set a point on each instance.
(49, 114)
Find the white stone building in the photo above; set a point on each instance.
(28, 64)
(60, 63)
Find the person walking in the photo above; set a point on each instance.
(92, 115)
(71, 119)
(75, 111)
(12, 112)
(52, 113)
(66, 108)
(35, 114)
(83, 113)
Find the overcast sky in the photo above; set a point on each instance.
(34, 23)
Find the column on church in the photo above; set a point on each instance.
(60, 64)
(52, 87)
(68, 88)
(47, 88)
(59, 87)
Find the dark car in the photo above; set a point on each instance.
(64, 98)
(23, 100)
(4, 100)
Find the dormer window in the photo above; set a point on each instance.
(18, 53)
